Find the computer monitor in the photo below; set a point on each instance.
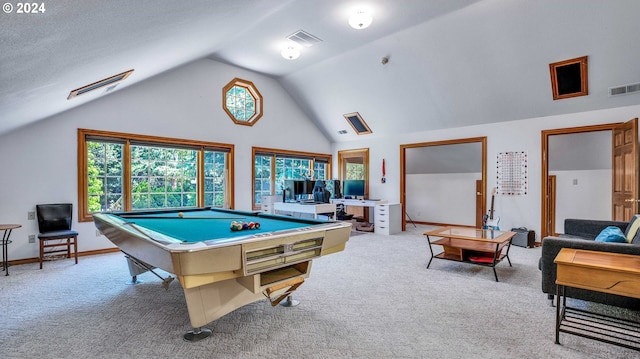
(308, 186)
(353, 188)
(333, 186)
(294, 190)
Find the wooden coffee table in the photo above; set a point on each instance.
(483, 247)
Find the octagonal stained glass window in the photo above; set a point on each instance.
(242, 101)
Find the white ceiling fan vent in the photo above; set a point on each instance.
(304, 38)
(625, 89)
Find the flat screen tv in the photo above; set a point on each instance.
(353, 188)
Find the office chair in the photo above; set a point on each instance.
(54, 224)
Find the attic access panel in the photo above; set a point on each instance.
(358, 124)
(569, 78)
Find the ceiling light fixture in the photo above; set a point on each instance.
(360, 20)
(290, 52)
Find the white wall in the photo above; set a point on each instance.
(433, 197)
(588, 198)
(39, 162)
(516, 135)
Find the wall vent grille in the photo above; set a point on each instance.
(304, 38)
(625, 89)
(113, 80)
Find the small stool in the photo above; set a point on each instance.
(60, 239)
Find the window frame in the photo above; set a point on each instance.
(257, 98)
(86, 135)
(278, 153)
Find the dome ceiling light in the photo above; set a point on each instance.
(290, 52)
(360, 20)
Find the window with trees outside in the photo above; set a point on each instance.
(242, 102)
(272, 167)
(125, 172)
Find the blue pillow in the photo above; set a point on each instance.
(611, 234)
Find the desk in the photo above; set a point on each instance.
(221, 270)
(358, 202)
(602, 272)
(310, 208)
(387, 217)
(7, 228)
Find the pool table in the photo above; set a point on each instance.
(221, 269)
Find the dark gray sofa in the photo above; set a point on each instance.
(581, 234)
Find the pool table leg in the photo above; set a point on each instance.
(197, 334)
(290, 302)
(137, 266)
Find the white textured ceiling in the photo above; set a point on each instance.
(451, 62)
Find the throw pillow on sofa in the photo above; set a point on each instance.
(611, 234)
(632, 228)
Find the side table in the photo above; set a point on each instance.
(7, 228)
(601, 272)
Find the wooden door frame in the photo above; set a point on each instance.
(545, 134)
(403, 169)
(356, 153)
(551, 207)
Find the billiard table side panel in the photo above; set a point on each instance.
(335, 240)
(135, 245)
(209, 302)
(196, 280)
(220, 259)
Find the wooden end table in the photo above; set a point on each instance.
(601, 272)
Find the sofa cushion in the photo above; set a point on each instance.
(632, 228)
(611, 234)
(636, 239)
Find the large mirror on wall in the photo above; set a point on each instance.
(443, 183)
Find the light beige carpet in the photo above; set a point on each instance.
(374, 300)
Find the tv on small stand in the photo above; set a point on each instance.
(353, 188)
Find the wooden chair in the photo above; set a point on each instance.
(54, 224)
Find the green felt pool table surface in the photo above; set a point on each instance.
(212, 223)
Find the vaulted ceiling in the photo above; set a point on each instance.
(451, 63)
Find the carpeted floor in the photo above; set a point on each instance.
(374, 300)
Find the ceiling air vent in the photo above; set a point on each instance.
(99, 84)
(358, 124)
(625, 89)
(304, 38)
